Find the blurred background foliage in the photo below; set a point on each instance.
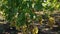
(22, 12)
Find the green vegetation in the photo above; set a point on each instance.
(21, 13)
